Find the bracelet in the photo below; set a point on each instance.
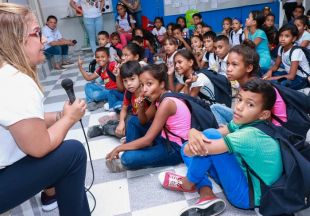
(58, 115)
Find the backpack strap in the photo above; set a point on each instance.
(240, 37)
(111, 75)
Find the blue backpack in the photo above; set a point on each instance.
(297, 109)
(201, 115)
(291, 192)
(222, 88)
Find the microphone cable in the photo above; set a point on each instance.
(87, 189)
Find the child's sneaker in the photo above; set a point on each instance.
(115, 165)
(49, 203)
(106, 107)
(95, 131)
(205, 206)
(110, 116)
(172, 181)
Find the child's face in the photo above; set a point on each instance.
(102, 58)
(158, 24)
(297, 12)
(102, 40)
(196, 20)
(249, 108)
(196, 43)
(169, 47)
(205, 29)
(128, 56)
(269, 22)
(181, 23)
(114, 40)
(132, 83)
(249, 21)
(226, 25)
(236, 25)
(198, 28)
(151, 87)
(221, 49)
(208, 44)
(300, 26)
(236, 68)
(169, 30)
(177, 33)
(286, 38)
(138, 32)
(121, 10)
(182, 65)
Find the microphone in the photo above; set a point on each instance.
(67, 84)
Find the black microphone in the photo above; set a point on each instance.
(67, 84)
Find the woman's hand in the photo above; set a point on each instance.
(120, 129)
(113, 154)
(74, 112)
(197, 142)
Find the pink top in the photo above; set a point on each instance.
(179, 123)
(279, 109)
(119, 46)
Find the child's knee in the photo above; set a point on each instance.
(212, 133)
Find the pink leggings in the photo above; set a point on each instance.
(126, 36)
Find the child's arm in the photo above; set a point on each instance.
(170, 73)
(275, 67)
(166, 109)
(291, 74)
(145, 116)
(148, 44)
(119, 80)
(132, 24)
(305, 43)
(198, 144)
(120, 129)
(86, 76)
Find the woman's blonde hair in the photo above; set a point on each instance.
(14, 20)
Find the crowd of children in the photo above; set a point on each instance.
(153, 130)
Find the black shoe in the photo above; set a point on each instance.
(95, 131)
(49, 203)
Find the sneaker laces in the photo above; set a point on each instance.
(174, 181)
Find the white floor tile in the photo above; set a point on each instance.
(100, 148)
(112, 198)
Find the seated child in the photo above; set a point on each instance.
(169, 30)
(182, 22)
(98, 92)
(148, 55)
(116, 40)
(214, 152)
(303, 38)
(227, 23)
(177, 34)
(159, 31)
(222, 47)
(272, 33)
(197, 48)
(236, 35)
(148, 38)
(209, 58)
(295, 63)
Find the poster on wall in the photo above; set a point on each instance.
(180, 7)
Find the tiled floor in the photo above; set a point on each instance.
(131, 193)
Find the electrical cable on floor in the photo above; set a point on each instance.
(87, 189)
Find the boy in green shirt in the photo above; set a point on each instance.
(218, 152)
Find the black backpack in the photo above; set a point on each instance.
(118, 51)
(291, 192)
(297, 110)
(307, 54)
(201, 115)
(222, 88)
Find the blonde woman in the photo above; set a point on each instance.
(33, 155)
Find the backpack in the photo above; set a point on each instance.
(201, 115)
(291, 192)
(92, 66)
(305, 51)
(222, 88)
(297, 110)
(118, 51)
(110, 73)
(240, 36)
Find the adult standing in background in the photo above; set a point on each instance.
(92, 18)
(289, 6)
(33, 152)
(134, 7)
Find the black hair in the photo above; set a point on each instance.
(259, 17)
(208, 26)
(249, 56)
(130, 68)
(198, 36)
(137, 28)
(197, 15)
(177, 26)
(264, 88)
(222, 38)
(123, 5)
(209, 34)
(171, 40)
(103, 49)
(158, 71)
(270, 14)
(289, 27)
(181, 18)
(135, 49)
(160, 19)
(249, 43)
(51, 17)
(104, 33)
(139, 39)
(170, 24)
(227, 19)
(301, 7)
(304, 20)
(115, 34)
(185, 53)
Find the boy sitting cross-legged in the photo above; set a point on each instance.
(219, 152)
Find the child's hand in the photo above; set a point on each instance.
(192, 78)
(197, 142)
(267, 75)
(114, 154)
(116, 70)
(80, 62)
(170, 68)
(120, 129)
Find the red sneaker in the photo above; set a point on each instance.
(172, 181)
